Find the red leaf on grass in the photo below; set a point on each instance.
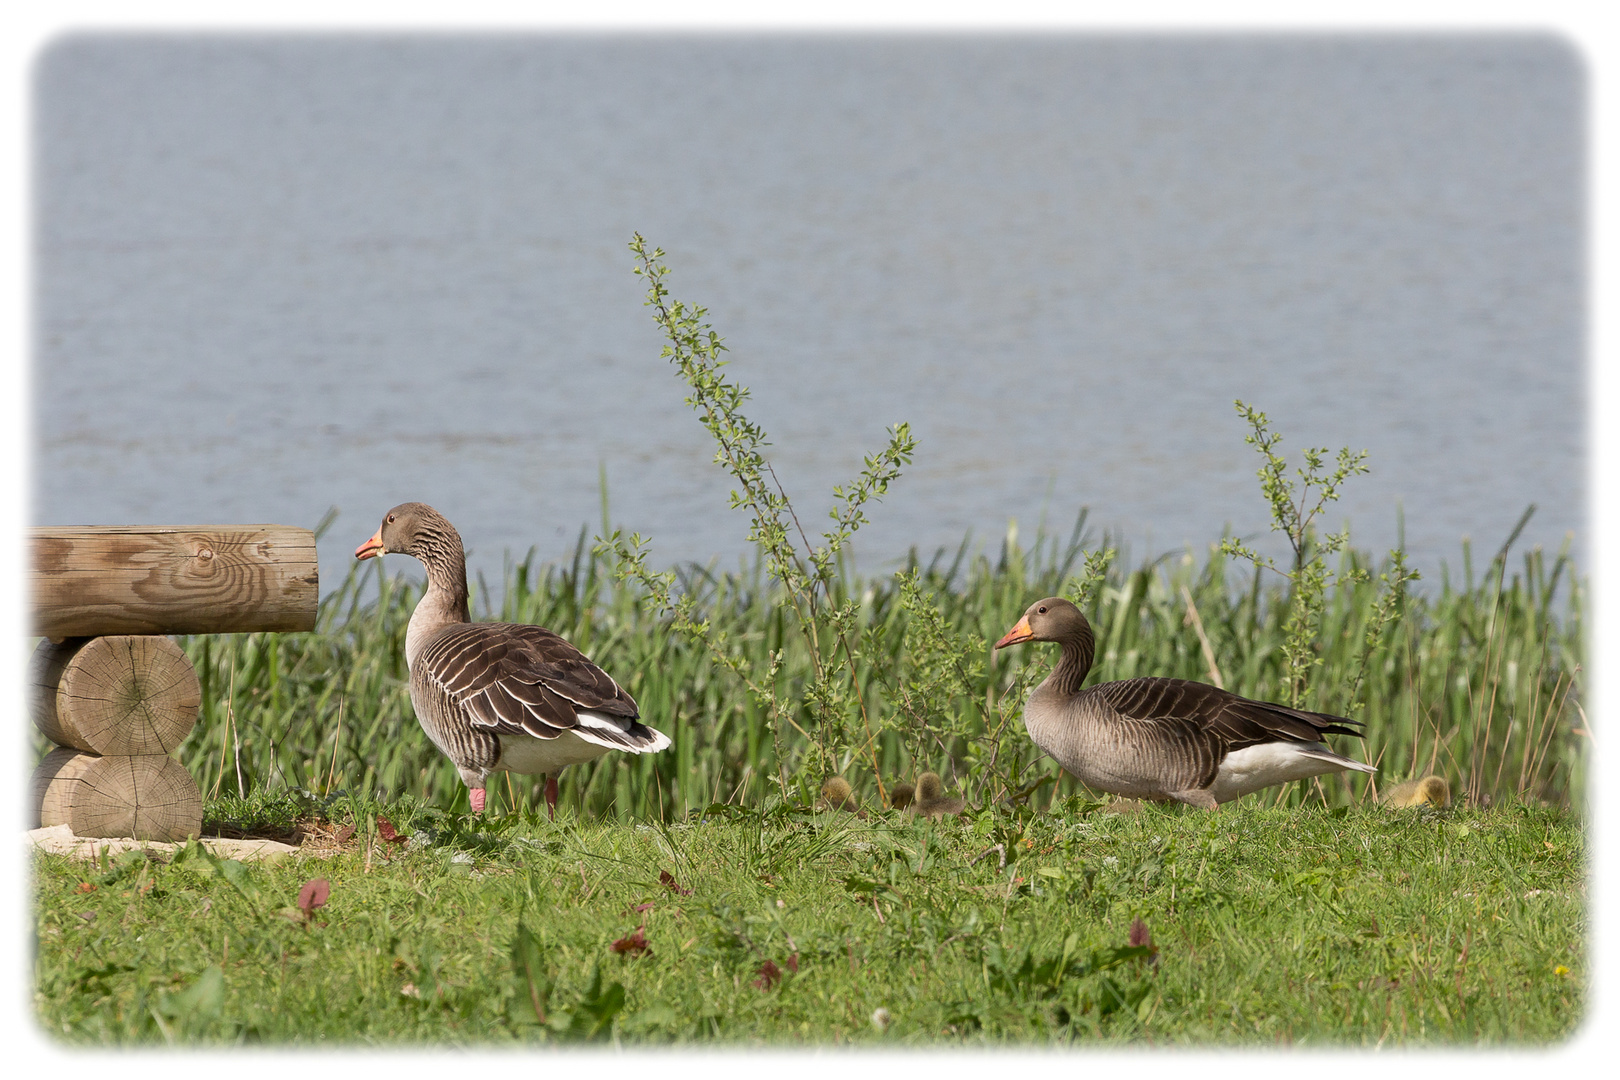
(793, 963)
(386, 830)
(1141, 935)
(769, 975)
(643, 907)
(313, 895)
(632, 944)
(667, 879)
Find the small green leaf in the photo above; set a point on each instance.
(203, 999)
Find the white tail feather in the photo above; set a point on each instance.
(614, 732)
(1256, 767)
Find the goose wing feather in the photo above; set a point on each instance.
(513, 679)
(1235, 721)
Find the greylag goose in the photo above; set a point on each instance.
(1429, 791)
(930, 799)
(1165, 739)
(499, 697)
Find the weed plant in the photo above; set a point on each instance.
(1294, 513)
(805, 579)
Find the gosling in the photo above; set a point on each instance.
(1429, 791)
(931, 801)
(836, 794)
(902, 795)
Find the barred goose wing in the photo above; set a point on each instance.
(1190, 727)
(570, 674)
(1236, 721)
(525, 680)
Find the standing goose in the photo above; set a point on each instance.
(499, 697)
(1165, 738)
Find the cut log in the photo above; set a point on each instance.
(115, 695)
(149, 797)
(53, 784)
(173, 579)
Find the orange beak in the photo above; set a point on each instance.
(371, 548)
(1021, 632)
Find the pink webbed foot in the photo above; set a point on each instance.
(476, 797)
(551, 797)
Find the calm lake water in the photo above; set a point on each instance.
(277, 274)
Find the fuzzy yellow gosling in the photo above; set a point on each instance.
(1429, 791)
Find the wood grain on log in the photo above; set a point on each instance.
(173, 579)
(115, 695)
(50, 797)
(149, 797)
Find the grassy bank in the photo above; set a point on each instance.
(1357, 926)
(1478, 678)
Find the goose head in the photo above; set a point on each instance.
(412, 528)
(1052, 619)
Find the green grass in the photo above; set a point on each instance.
(1354, 926)
(1479, 679)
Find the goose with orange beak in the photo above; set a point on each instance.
(1165, 739)
(499, 697)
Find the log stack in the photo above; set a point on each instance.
(118, 697)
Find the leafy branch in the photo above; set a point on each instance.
(807, 576)
(1294, 512)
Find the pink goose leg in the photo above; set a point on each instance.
(551, 797)
(476, 797)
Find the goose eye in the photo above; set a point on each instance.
(390, 519)
(1041, 610)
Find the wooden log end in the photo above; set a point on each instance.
(120, 695)
(147, 797)
(52, 786)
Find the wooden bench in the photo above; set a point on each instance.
(113, 692)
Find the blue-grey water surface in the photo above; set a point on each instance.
(276, 274)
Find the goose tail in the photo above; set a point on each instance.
(618, 733)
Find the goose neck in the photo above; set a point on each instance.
(449, 585)
(1073, 665)
(444, 602)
